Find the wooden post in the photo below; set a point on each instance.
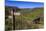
(13, 20)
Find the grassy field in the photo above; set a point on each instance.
(24, 21)
(28, 17)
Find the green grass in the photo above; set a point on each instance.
(29, 17)
(32, 15)
(24, 21)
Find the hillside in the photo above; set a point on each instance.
(24, 21)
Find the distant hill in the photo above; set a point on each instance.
(22, 10)
(9, 8)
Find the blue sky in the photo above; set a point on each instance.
(22, 4)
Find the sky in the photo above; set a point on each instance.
(24, 4)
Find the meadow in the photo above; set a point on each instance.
(25, 20)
